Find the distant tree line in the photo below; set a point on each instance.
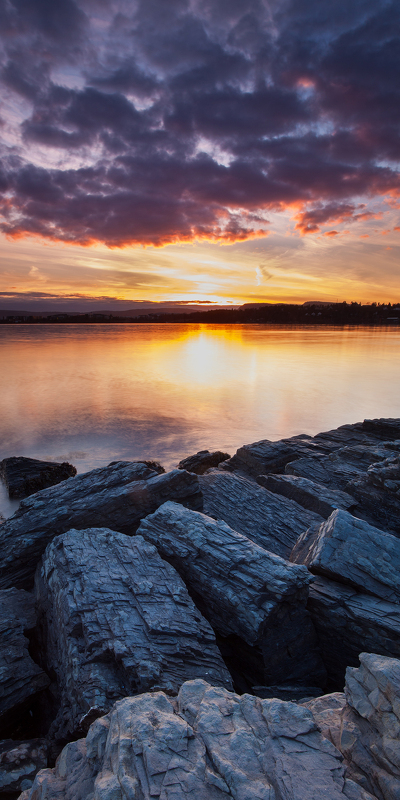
(275, 314)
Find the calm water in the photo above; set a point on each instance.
(91, 394)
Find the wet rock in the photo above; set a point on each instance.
(115, 620)
(25, 476)
(350, 550)
(266, 456)
(349, 622)
(378, 492)
(19, 763)
(21, 680)
(364, 724)
(313, 496)
(208, 744)
(202, 461)
(272, 521)
(241, 589)
(117, 497)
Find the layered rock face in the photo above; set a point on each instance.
(243, 590)
(117, 497)
(116, 620)
(208, 744)
(271, 521)
(21, 680)
(19, 763)
(24, 476)
(310, 495)
(364, 724)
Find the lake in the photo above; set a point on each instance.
(91, 394)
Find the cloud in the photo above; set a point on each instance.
(111, 104)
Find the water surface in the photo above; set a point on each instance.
(91, 394)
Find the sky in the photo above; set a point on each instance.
(217, 150)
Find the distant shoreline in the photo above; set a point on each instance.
(274, 314)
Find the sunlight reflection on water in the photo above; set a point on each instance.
(91, 394)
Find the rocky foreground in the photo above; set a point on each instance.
(230, 629)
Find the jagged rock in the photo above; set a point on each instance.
(349, 622)
(383, 428)
(241, 589)
(203, 460)
(266, 456)
(350, 550)
(25, 476)
(366, 728)
(117, 497)
(268, 519)
(21, 680)
(340, 468)
(19, 763)
(378, 491)
(208, 744)
(115, 619)
(308, 494)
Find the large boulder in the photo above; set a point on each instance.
(243, 590)
(272, 521)
(117, 497)
(202, 461)
(21, 680)
(312, 496)
(24, 476)
(208, 744)
(364, 724)
(350, 550)
(115, 619)
(349, 622)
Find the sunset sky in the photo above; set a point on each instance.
(224, 150)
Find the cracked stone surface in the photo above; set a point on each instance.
(207, 744)
(114, 620)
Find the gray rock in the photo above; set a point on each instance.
(209, 744)
(21, 680)
(19, 763)
(241, 589)
(366, 728)
(348, 622)
(115, 619)
(24, 476)
(202, 461)
(117, 496)
(383, 428)
(267, 456)
(350, 550)
(313, 496)
(269, 520)
(378, 492)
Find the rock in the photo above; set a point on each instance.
(21, 680)
(115, 619)
(19, 763)
(202, 461)
(349, 550)
(117, 497)
(348, 622)
(208, 744)
(266, 456)
(241, 589)
(382, 428)
(308, 494)
(25, 476)
(378, 492)
(366, 728)
(268, 519)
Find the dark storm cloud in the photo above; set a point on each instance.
(191, 118)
